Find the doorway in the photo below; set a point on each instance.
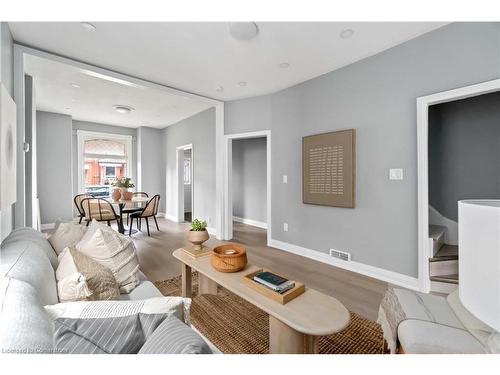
(248, 204)
(185, 183)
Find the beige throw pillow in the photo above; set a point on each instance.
(79, 278)
(66, 234)
(114, 251)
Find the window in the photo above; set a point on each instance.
(187, 171)
(103, 158)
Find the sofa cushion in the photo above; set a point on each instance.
(114, 251)
(23, 260)
(66, 234)
(96, 279)
(25, 327)
(32, 236)
(177, 306)
(424, 337)
(174, 337)
(116, 335)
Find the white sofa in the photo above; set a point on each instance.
(418, 323)
(28, 283)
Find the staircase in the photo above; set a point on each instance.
(443, 266)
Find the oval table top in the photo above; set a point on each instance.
(312, 313)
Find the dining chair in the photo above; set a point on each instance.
(78, 203)
(130, 210)
(149, 210)
(99, 209)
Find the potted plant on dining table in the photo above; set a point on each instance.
(122, 185)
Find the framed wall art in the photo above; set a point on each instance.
(328, 167)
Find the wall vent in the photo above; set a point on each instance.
(342, 255)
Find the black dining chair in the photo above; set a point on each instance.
(130, 210)
(78, 203)
(149, 210)
(99, 209)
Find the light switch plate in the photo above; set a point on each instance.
(285, 227)
(285, 179)
(396, 174)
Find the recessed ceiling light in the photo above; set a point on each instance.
(243, 30)
(123, 108)
(88, 26)
(284, 65)
(75, 85)
(347, 33)
(242, 83)
(68, 108)
(219, 88)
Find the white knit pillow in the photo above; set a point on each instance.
(66, 234)
(114, 251)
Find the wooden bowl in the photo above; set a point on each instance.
(229, 258)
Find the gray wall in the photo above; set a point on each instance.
(249, 179)
(464, 152)
(200, 131)
(103, 128)
(7, 78)
(54, 157)
(151, 163)
(376, 96)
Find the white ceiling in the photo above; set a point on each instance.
(95, 97)
(198, 57)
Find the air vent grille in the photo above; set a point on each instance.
(342, 255)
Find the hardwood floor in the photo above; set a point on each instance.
(358, 293)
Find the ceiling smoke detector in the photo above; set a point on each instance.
(284, 65)
(243, 30)
(219, 88)
(123, 108)
(347, 33)
(88, 26)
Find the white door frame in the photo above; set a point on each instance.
(179, 186)
(423, 103)
(20, 54)
(228, 193)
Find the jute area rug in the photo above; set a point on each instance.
(237, 327)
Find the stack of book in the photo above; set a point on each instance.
(274, 282)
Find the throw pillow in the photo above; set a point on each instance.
(114, 251)
(177, 306)
(174, 337)
(66, 234)
(79, 277)
(116, 335)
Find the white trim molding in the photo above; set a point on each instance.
(179, 185)
(390, 277)
(423, 104)
(254, 223)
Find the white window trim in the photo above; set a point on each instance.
(83, 135)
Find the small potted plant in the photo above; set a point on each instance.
(124, 184)
(198, 234)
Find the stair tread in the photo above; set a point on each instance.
(436, 231)
(446, 251)
(452, 279)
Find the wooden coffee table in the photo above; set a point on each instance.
(294, 327)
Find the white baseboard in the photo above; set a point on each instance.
(361, 268)
(255, 223)
(212, 231)
(170, 217)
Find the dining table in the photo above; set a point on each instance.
(121, 204)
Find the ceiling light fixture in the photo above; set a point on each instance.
(123, 108)
(347, 33)
(88, 26)
(75, 85)
(243, 30)
(68, 108)
(284, 65)
(242, 83)
(219, 88)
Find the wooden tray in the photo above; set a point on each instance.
(296, 291)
